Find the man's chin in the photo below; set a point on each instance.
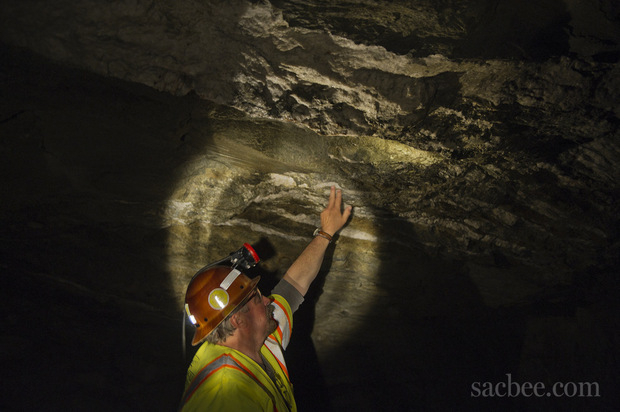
(272, 326)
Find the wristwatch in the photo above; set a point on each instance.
(319, 232)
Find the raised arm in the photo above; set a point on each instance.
(304, 269)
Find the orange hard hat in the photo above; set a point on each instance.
(212, 295)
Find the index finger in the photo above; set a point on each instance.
(338, 200)
(332, 197)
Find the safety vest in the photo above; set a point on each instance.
(224, 379)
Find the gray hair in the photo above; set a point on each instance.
(225, 328)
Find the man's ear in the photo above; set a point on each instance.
(237, 320)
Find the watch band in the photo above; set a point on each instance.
(319, 232)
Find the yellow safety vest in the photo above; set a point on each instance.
(224, 379)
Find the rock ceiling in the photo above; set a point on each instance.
(477, 141)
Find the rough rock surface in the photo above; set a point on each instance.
(478, 143)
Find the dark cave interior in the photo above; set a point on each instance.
(91, 164)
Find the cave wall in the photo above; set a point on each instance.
(477, 142)
(350, 67)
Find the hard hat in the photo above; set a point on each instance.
(213, 294)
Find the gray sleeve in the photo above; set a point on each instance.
(288, 292)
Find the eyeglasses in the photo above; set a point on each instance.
(253, 295)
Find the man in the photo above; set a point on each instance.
(241, 365)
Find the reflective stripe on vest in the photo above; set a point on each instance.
(275, 349)
(224, 361)
(282, 317)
